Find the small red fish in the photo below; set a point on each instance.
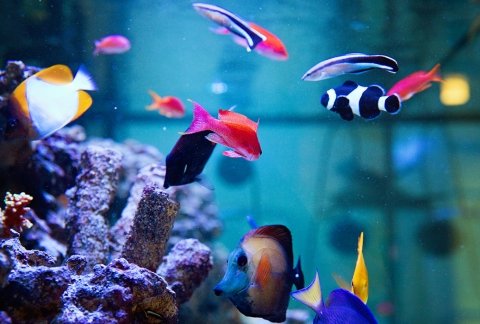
(113, 44)
(168, 106)
(272, 47)
(415, 83)
(232, 130)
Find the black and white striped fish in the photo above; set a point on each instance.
(233, 23)
(352, 99)
(350, 63)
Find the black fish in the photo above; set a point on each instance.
(187, 159)
(367, 102)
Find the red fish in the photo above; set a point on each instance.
(415, 83)
(232, 130)
(272, 47)
(113, 44)
(168, 106)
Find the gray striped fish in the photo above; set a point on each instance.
(350, 63)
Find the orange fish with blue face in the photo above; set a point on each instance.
(260, 273)
(50, 99)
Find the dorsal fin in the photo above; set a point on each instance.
(281, 234)
(56, 74)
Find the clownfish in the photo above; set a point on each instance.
(260, 273)
(415, 83)
(352, 99)
(342, 306)
(230, 21)
(232, 130)
(350, 63)
(50, 99)
(113, 44)
(167, 106)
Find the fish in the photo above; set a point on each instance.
(359, 283)
(342, 306)
(233, 23)
(113, 44)
(366, 102)
(187, 159)
(232, 130)
(350, 63)
(50, 99)
(272, 47)
(168, 106)
(260, 273)
(415, 83)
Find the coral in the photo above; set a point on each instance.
(120, 292)
(150, 230)
(13, 215)
(186, 267)
(89, 202)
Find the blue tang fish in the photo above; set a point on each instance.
(352, 99)
(187, 159)
(260, 273)
(341, 307)
(233, 23)
(350, 63)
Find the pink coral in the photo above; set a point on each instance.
(13, 215)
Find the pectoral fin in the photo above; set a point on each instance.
(264, 270)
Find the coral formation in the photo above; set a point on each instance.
(13, 215)
(68, 266)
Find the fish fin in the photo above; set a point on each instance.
(298, 278)
(56, 74)
(201, 119)
(234, 117)
(346, 300)
(281, 234)
(393, 104)
(155, 98)
(264, 270)
(83, 80)
(219, 30)
(84, 102)
(215, 138)
(434, 73)
(311, 296)
(360, 275)
(342, 283)
(232, 154)
(342, 107)
(376, 90)
(251, 221)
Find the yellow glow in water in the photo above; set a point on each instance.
(454, 90)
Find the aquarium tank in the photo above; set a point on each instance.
(239, 161)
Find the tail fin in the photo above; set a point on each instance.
(434, 74)
(311, 295)
(83, 80)
(202, 120)
(392, 104)
(298, 278)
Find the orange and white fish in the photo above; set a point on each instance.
(50, 99)
(168, 106)
(272, 47)
(113, 44)
(415, 83)
(232, 130)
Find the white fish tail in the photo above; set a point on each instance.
(83, 80)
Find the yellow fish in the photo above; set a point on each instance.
(359, 284)
(50, 99)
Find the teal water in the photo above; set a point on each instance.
(411, 182)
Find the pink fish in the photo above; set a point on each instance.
(232, 130)
(113, 44)
(272, 47)
(415, 83)
(168, 106)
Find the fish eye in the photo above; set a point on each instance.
(242, 260)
